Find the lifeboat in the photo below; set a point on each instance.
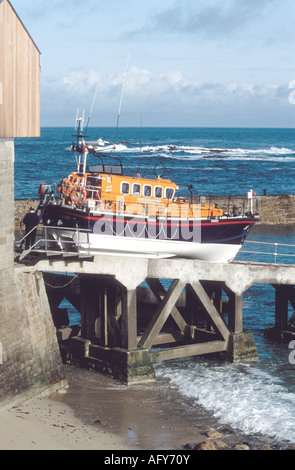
(136, 216)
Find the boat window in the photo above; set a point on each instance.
(136, 189)
(169, 192)
(92, 181)
(147, 190)
(125, 188)
(158, 192)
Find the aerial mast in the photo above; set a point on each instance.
(121, 99)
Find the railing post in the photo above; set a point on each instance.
(45, 233)
(276, 252)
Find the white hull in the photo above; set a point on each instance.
(100, 244)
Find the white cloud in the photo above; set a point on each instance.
(171, 98)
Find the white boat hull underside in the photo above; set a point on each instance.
(104, 244)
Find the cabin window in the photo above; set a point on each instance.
(169, 192)
(93, 187)
(136, 189)
(158, 192)
(125, 188)
(92, 181)
(147, 190)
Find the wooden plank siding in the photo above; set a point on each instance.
(19, 77)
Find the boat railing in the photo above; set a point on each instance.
(269, 251)
(232, 205)
(22, 241)
(93, 193)
(56, 241)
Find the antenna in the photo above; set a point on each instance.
(121, 99)
(94, 99)
(140, 146)
(82, 121)
(77, 117)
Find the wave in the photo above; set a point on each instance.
(184, 152)
(195, 152)
(258, 402)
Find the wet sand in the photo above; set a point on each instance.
(97, 413)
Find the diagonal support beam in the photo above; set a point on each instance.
(162, 313)
(159, 292)
(214, 315)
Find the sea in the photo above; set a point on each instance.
(254, 398)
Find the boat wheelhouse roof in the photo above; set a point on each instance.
(106, 169)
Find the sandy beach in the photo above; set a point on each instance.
(96, 413)
(44, 424)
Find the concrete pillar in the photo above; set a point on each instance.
(235, 317)
(31, 361)
(129, 319)
(91, 307)
(281, 307)
(7, 203)
(242, 347)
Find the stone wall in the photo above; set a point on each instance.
(278, 209)
(31, 358)
(21, 207)
(30, 362)
(272, 209)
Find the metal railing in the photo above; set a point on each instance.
(274, 254)
(75, 241)
(58, 240)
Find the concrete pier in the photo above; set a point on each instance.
(195, 308)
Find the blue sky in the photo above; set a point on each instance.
(192, 62)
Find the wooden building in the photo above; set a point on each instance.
(19, 77)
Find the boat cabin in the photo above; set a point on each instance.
(118, 193)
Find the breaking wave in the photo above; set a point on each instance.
(247, 398)
(183, 152)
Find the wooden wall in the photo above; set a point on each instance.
(19, 77)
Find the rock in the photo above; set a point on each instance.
(220, 444)
(213, 434)
(189, 446)
(205, 445)
(241, 447)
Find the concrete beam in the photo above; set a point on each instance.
(132, 271)
(210, 309)
(159, 292)
(162, 313)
